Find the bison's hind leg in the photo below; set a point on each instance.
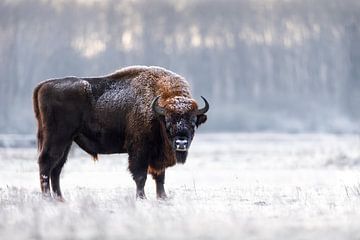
(55, 175)
(51, 160)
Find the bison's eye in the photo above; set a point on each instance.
(168, 128)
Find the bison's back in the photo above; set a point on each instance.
(64, 98)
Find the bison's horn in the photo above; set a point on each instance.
(204, 109)
(155, 107)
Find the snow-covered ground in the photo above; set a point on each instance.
(233, 186)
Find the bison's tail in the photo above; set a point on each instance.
(40, 136)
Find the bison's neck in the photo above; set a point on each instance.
(166, 154)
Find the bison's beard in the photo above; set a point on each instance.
(181, 156)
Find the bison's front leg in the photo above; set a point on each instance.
(138, 168)
(160, 180)
(140, 179)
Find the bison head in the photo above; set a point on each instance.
(180, 115)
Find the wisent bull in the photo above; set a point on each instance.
(147, 112)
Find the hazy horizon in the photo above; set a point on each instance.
(280, 66)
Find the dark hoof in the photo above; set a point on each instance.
(141, 195)
(59, 199)
(46, 195)
(162, 196)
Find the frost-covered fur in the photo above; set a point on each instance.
(149, 82)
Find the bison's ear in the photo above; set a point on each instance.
(200, 119)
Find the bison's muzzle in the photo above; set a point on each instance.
(181, 146)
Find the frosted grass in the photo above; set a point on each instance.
(250, 186)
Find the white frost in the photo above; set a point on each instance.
(180, 104)
(233, 186)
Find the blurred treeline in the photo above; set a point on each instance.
(277, 65)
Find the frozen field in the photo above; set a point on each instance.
(233, 186)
